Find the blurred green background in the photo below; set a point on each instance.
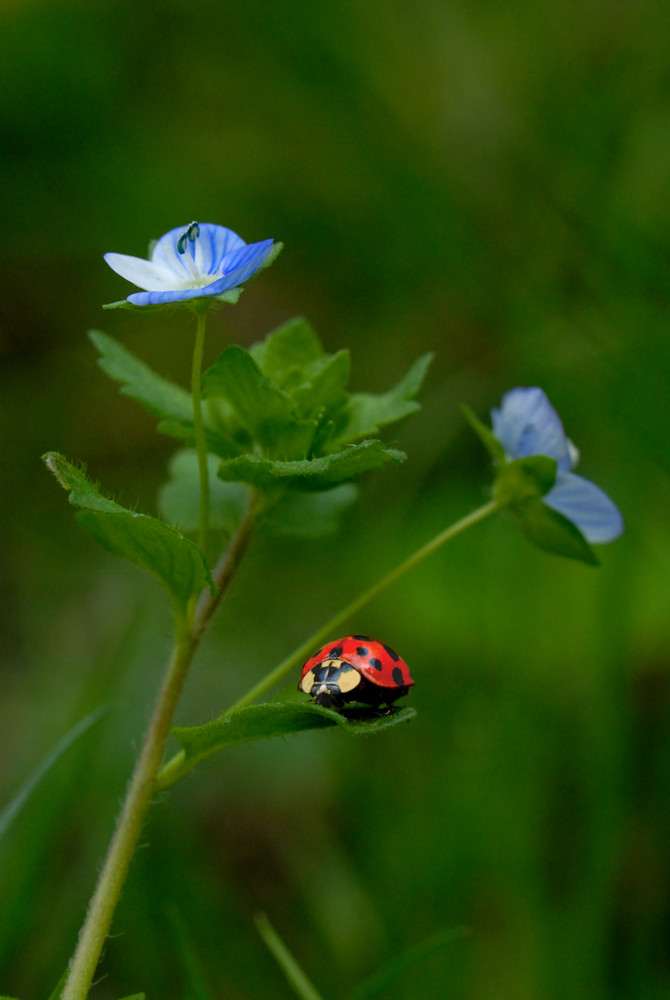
(483, 179)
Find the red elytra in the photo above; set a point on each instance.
(374, 660)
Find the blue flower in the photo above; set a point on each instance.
(191, 262)
(527, 424)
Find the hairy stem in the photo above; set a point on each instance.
(143, 782)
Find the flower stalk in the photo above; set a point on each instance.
(299, 655)
(189, 630)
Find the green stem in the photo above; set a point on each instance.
(302, 986)
(138, 799)
(143, 782)
(199, 426)
(299, 655)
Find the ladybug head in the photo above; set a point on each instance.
(331, 683)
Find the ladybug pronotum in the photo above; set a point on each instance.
(355, 668)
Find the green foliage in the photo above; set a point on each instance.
(552, 531)
(519, 487)
(16, 803)
(258, 722)
(278, 415)
(265, 411)
(310, 474)
(368, 413)
(523, 479)
(161, 398)
(295, 976)
(485, 435)
(143, 540)
(298, 514)
(383, 980)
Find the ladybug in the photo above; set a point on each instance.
(355, 668)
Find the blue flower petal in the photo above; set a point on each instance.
(161, 298)
(527, 424)
(245, 261)
(143, 273)
(217, 242)
(586, 505)
(216, 255)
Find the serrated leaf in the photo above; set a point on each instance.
(179, 498)
(550, 531)
(322, 391)
(292, 347)
(485, 435)
(310, 474)
(160, 397)
(143, 540)
(263, 409)
(258, 722)
(368, 412)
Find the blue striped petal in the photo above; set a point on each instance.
(587, 506)
(527, 424)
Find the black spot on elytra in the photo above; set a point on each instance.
(392, 653)
(365, 638)
(334, 654)
(397, 676)
(375, 663)
(362, 651)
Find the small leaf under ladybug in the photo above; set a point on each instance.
(258, 722)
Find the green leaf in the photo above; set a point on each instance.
(217, 443)
(291, 348)
(310, 474)
(161, 398)
(486, 436)
(370, 412)
(524, 478)
(257, 722)
(309, 515)
(182, 936)
(179, 498)
(137, 996)
(17, 802)
(385, 979)
(553, 532)
(265, 410)
(3, 997)
(322, 391)
(143, 540)
(55, 995)
(296, 978)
